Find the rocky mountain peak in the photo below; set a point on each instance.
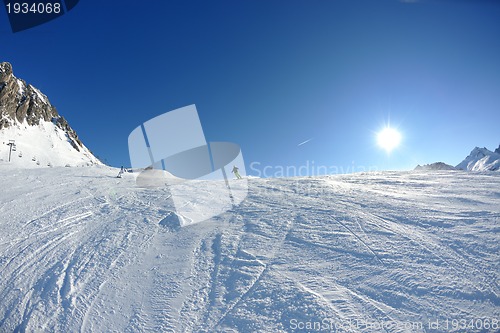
(479, 152)
(434, 166)
(481, 159)
(5, 72)
(21, 102)
(25, 108)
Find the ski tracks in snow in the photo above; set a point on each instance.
(102, 255)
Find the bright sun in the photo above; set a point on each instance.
(388, 138)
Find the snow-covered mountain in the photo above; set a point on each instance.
(407, 252)
(481, 159)
(41, 136)
(435, 166)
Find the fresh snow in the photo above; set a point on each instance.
(42, 145)
(83, 251)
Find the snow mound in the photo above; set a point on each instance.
(172, 221)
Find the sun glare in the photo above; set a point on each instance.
(388, 139)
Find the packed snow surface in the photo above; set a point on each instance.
(84, 251)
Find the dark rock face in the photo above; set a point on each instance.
(497, 150)
(21, 102)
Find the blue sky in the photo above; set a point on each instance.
(269, 75)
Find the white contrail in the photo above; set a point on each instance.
(303, 143)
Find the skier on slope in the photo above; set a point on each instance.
(122, 170)
(236, 172)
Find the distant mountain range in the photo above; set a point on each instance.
(479, 159)
(435, 166)
(32, 133)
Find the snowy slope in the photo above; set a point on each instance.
(481, 159)
(41, 145)
(83, 251)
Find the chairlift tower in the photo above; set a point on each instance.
(12, 144)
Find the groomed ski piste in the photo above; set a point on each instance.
(83, 251)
